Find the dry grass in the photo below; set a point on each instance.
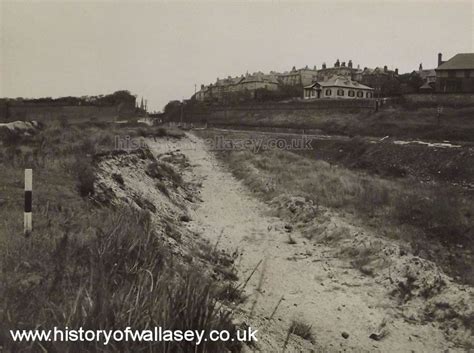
(302, 330)
(89, 267)
(161, 170)
(417, 123)
(436, 219)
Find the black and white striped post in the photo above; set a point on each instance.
(28, 201)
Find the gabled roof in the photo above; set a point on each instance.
(426, 86)
(228, 81)
(464, 61)
(426, 73)
(260, 78)
(340, 81)
(377, 71)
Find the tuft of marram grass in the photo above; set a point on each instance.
(301, 329)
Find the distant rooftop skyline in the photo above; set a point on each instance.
(161, 50)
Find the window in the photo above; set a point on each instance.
(351, 93)
(467, 73)
(360, 94)
(451, 74)
(340, 92)
(328, 92)
(368, 95)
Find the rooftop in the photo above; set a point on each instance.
(462, 61)
(425, 73)
(340, 81)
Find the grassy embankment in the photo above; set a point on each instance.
(434, 220)
(400, 121)
(89, 265)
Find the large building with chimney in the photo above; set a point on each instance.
(339, 69)
(298, 77)
(240, 87)
(384, 82)
(455, 75)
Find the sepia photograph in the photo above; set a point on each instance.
(243, 176)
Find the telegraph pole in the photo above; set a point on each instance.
(181, 117)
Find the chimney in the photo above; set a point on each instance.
(350, 64)
(440, 59)
(396, 71)
(324, 65)
(314, 68)
(343, 64)
(385, 69)
(420, 67)
(337, 64)
(202, 86)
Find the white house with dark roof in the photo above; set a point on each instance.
(338, 87)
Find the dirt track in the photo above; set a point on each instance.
(316, 287)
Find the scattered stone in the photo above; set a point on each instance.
(345, 335)
(185, 218)
(376, 336)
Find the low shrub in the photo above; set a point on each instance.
(302, 329)
(9, 137)
(437, 213)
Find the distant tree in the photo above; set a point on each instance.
(172, 106)
(284, 92)
(391, 87)
(412, 80)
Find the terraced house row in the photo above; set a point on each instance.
(346, 81)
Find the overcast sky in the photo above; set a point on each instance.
(160, 50)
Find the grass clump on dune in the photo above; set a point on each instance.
(91, 267)
(431, 218)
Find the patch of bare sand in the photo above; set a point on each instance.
(304, 279)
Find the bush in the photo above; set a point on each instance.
(10, 138)
(302, 329)
(437, 213)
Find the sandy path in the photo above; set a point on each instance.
(321, 290)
